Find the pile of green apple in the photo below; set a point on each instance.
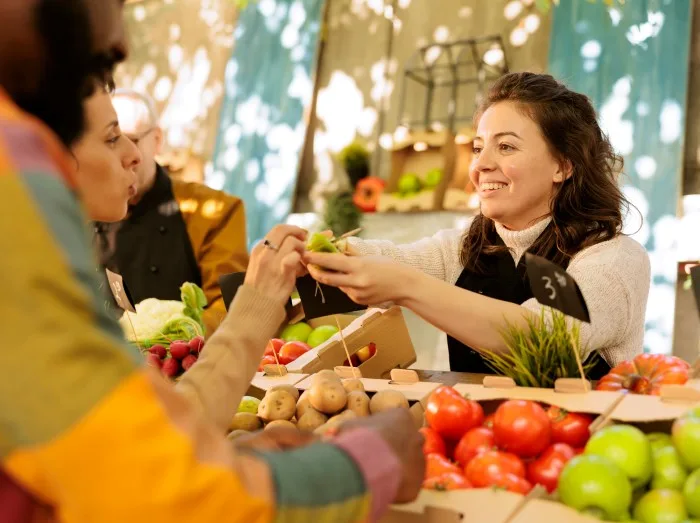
(295, 339)
(626, 475)
(410, 183)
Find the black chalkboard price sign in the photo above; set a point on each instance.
(553, 286)
(119, 291)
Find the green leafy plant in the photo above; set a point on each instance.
(541, 353)
(355, 160)
(341, 214)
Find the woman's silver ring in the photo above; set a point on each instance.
(269, 245)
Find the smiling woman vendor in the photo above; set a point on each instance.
(547, 181)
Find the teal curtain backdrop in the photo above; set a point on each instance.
(633, 61)
(268, 86)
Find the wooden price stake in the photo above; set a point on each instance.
(553, 286)
(343, 371)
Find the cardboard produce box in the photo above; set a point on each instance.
(460, 193)
(418, 154)
(386, 328)
(649, 413)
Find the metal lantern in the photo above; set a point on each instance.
(444, 70)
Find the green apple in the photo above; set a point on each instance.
(669, 472)
(628, 448)
(321, 334)
(409, 183)
(691, 492)
(596, 486)
(296, 332)
(433, 178)
(249, 404)
(686, 439)
(661, 506)
(659, 440)
(693, 413)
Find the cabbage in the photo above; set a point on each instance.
(163, 321)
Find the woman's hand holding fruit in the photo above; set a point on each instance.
(367, 280)
(275, 264)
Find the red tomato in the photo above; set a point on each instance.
(452, 415)
(292, 350)
(437, 465)
(266, 360)
(512, 483)
(569, 427)
(488, 422)
(485, 468)
(473, 443)
(447, 481)
(274, 345)
(433, 442)
(522, 427)
(546, 469)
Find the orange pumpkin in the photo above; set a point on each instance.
(645, 374)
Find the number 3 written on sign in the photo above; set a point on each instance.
(548, 286)
(561, 280)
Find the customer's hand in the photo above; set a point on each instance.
(397, 427)
(276, 262)
(275, 439)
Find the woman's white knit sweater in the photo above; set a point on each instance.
(614, 277)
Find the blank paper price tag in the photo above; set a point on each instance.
(695, 278)
(553, 286)
(119, 290)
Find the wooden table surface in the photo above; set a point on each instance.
(449, 378)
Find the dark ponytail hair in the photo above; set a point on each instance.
(587, 208)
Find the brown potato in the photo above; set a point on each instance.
(324, 375)
(303, 404)
(282, 423)
(277, 405)
(289, 388)
(386, 400)
(245, 421)
(236, 434)
(352, 384)
(358, 402)
(342, 417)
(328, 397)
(311, 420)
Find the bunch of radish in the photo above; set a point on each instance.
(178, 358)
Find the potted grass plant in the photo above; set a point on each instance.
(541, 353)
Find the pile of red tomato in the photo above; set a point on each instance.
(287, 352)
(518, 446)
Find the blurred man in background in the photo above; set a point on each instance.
(176, 231)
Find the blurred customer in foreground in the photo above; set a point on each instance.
(87, 432)
(175, 231)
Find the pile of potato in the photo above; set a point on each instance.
(329, 402)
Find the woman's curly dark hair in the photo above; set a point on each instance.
(587, 208)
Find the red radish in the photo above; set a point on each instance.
(189, 361)
(171, 367)
(196, 344)
(179, 349)
(154, 361)
(159, 351)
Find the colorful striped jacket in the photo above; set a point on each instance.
(87, 433)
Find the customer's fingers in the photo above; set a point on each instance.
(277, 235)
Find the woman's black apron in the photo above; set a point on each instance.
(507, 282)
